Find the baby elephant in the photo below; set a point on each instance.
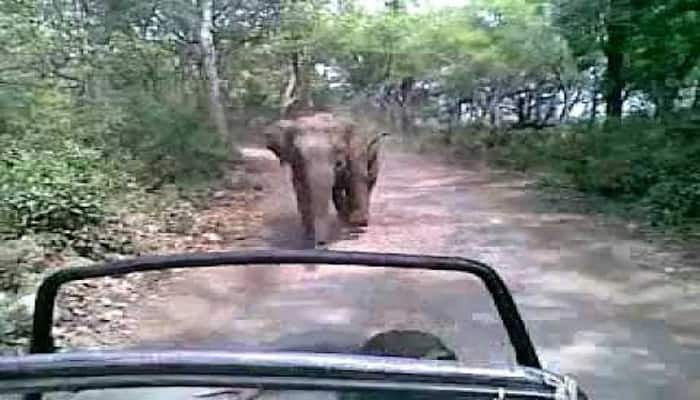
(329, 158)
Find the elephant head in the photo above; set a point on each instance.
(279, 139)
(355, 180)
(328, 158)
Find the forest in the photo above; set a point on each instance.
(104, 103)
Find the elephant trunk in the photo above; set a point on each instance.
(320, 175)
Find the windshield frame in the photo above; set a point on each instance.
(42, 340)
(76, 371)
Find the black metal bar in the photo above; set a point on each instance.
(281, 370)
(386, 388)
(42, 339)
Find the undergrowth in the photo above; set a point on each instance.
(646, 169)
(71, 169)
(63, 161)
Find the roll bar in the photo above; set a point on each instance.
(42, 340)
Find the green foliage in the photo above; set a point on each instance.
(675, 201)
(645, 163)
(53, 176)
(659, 41)
(168, 139)
(57, 190)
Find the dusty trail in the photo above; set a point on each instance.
(593, 308)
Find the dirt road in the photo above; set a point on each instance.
(610, 309)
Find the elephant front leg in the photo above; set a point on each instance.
(303, 195)
(340, 201)
(341, 195)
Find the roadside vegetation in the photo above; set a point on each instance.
(111, 108)
(642, 169)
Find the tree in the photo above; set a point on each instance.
(209, 56)
(650, 46)
(299, 18)
(665, 43)
(614, 47)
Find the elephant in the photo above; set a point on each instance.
(329, 159)
(348, 184)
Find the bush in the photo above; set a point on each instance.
(646, 163)
(170, 140)
(520, 151)
(676, 201)
(62, 158)
(58, 190)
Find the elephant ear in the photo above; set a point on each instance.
(280, 139)
(373, 151)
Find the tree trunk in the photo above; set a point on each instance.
(528, 105)
(297, 94)
(569, 105)
(406, 104)
(594, 106)
(564, 108)
(614, 52)
(495, 109)
(520, 107)
(217, 114)
(538, 105)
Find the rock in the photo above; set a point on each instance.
(78, 312)
(212, 237)
(111, 315)
(77, 262)
(150, 228)
(60, 331)
(65, 317)
(115, 257)
(20, 250)
(27, 301)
